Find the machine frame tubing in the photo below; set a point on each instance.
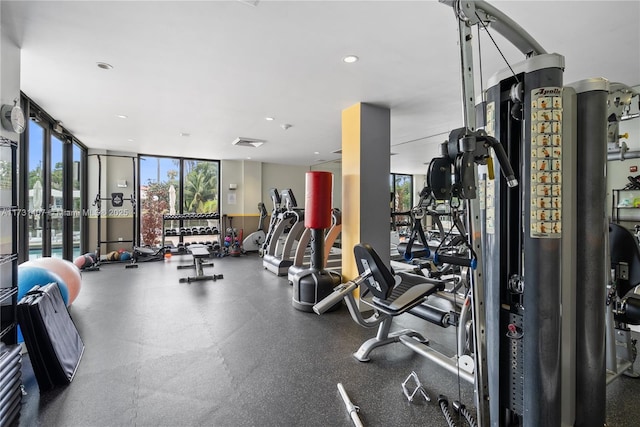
(473, 219)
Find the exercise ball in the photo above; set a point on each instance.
(32, 275)
(125, 256)
(90, 259)
(67, 271)
(85, 261)
(80, 261)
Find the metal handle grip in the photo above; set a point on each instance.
(448, 259)
(339, 292)
(423, 253)
(503, 160)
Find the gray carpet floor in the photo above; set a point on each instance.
(234, 352)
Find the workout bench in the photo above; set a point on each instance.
(389, 296)
(199, 253)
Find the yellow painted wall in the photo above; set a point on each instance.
(350, 188)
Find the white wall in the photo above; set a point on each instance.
(419, 182)
(9, 74)
(283, 176)
(252, 186)
(231, 201)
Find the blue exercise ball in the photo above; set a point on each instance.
(30, 276)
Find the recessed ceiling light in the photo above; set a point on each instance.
(316, 152)
(130, 140)
(350, 59)
(104, 65)
(269, 119)
(248, 158)
(185, 134)
(122, 116)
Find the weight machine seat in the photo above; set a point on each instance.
(199, 251)
(392, 295)
(623, 247)
(630, 308)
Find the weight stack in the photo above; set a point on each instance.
(10, 383)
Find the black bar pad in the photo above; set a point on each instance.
(431, 314)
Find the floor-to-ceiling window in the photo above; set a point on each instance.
(402, 191)
(200, 186)
(159, 195)
(171, 185)
(52, 162)
(401, 187)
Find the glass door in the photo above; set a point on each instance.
(55, 210)
(52, 191)
(46, 191)
(36, 181)
(76, 217)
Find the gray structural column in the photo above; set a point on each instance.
(366, 136)
(591, 229)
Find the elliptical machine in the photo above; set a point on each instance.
(254, 241)
(276, 217)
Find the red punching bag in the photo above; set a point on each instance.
(318, 200)
(312, 285)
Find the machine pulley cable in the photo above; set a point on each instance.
(482, 94)
(454, 224)
(496, 45)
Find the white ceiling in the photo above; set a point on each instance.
(216, 69)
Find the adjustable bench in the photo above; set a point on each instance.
(199, 253)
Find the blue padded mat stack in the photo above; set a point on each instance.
(54, 345)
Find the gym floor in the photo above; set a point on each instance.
(234, 352)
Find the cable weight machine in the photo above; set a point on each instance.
(545, 335)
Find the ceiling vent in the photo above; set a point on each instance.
(248, 142)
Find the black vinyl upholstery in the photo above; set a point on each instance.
(624, 248)
(381, 281)
(392, 294)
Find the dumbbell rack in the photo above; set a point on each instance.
(183, 232)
